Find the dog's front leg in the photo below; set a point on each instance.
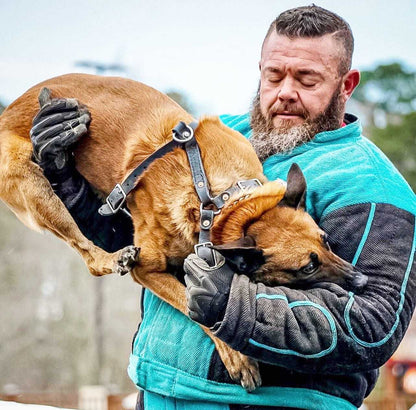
(241, 368)
(29, 194)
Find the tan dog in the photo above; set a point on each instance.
(129, 122)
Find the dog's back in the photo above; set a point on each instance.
(129, 122)
(121, 111)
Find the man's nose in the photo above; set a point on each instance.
(287, 90)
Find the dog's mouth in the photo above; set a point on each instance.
(271, 275)
(356, 281)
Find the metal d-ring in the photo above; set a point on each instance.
(188, 134)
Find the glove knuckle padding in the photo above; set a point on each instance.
(85, 117)
(60, 123)
(49, 133)
(207, 288)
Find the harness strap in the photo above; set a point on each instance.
(220, 200)
(117, 196)
(184, 134)
(204, 247)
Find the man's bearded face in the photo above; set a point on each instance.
(301, 92)
(268, 138)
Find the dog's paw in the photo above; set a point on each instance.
(126, 260)
(242, 369)
(247, 373)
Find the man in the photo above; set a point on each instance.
(318, 348)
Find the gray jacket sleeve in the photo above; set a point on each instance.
(327, 329)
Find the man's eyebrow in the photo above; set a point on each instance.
(301, 72)
(273, 70)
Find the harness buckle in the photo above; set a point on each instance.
(209, 246)
(198, 245)
(118, 201)
(248, 183)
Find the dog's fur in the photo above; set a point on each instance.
(129, 122)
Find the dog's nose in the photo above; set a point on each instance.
(358, 280)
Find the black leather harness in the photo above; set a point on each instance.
(183, 136)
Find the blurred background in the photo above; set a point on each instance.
(60, 328)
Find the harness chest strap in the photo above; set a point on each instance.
(118, 195)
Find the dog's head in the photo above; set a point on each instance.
(269, 237)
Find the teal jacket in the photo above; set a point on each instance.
(319, 348)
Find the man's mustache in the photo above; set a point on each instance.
(287, 109)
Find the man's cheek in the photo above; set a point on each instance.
(267, 100)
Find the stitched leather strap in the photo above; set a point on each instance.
(185, 133)
(117, 196)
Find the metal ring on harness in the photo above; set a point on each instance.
(189, 134)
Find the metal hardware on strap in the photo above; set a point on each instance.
(249, 183)
(115, 200)
(207, 218)
(220, 200)
(118, 195)
(204, 251)
(184, 133)
(198, 246)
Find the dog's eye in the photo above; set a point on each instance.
(312, 266)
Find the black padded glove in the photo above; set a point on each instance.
(58, 125)
(208, 288)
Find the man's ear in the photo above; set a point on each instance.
(295, 189)
(349, 83)
(242, 255)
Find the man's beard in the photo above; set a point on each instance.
(267, 139)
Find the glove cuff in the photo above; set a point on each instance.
(56, 175)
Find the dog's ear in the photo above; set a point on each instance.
(295, 190)
(242, 254)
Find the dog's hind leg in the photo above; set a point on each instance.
(242, 369)
(28, 193)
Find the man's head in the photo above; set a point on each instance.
(305, 79)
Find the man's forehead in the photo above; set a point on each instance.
(324, 50)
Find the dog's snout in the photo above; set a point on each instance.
(358, 280)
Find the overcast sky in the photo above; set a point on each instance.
(207, 49)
